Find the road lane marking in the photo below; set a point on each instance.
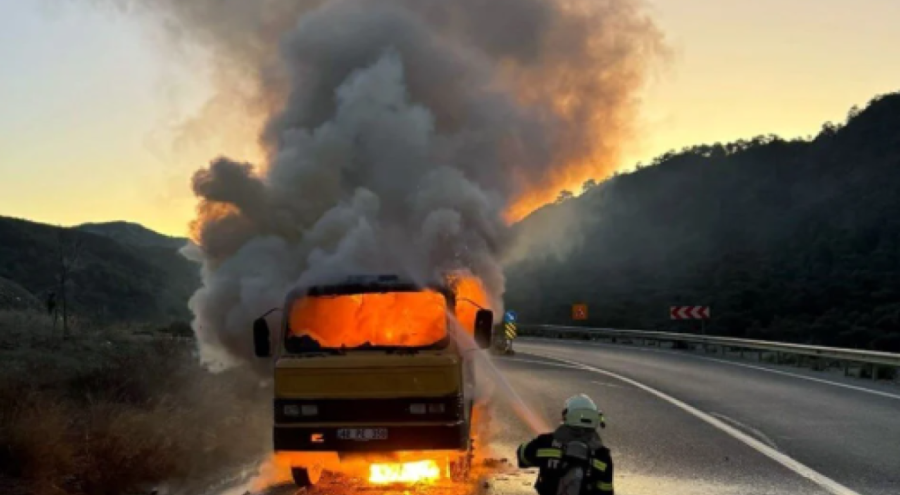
(758, 368)
(803, 377)
(535, 361)
(796, 466)
(606, 384)
(760, 435)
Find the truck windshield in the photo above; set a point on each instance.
(377, 320)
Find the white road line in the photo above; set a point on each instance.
(535, 361)
(803, 377)
(760, 435)
(559, 365)
(801, 469)
(760, 368)
(606, 384)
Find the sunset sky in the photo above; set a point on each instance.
(88, 98)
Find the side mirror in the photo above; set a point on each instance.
(484, 324)
(261, 345)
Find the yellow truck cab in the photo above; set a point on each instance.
(373, 365)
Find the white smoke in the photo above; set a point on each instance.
(398, 133)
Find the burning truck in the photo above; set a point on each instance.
(376, 368)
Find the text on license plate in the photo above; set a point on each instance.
(362, 434)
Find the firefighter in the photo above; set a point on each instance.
(574, 444)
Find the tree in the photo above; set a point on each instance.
(68, 251)
(564, 195)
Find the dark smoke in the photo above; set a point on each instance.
(398, 134)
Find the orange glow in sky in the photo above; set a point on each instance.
(83, 140)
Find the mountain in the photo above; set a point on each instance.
(134, 234)
(787, 240)
(122, 272)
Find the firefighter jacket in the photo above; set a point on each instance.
(546, 453)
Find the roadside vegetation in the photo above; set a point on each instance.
(118, 410)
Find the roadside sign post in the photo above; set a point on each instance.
(701, 313)
(510, 332)
(509, 327)
(580, 312)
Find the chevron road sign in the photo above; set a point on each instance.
(509, 325)
(689, 312)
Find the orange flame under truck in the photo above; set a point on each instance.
(372, 366)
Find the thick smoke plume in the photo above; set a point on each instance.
(401, 136)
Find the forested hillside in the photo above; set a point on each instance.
(117, 271)
(787, 240)
(133, 234)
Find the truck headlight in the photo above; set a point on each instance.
(433, 408)
(295, 410)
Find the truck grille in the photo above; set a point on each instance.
(369, 410)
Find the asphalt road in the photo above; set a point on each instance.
(681, 423)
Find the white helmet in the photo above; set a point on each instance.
(581, 412)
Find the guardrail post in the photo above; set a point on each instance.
(874, 372)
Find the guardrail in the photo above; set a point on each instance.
(823, 356)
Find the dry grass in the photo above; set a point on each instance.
(105, 413)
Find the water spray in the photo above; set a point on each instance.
(535, 422)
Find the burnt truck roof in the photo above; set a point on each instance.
(367, 284)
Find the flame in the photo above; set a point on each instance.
(470, 295)
(411, 319)
(426, 471)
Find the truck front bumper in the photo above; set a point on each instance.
(395, 438)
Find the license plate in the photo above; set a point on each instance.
(362, 434)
